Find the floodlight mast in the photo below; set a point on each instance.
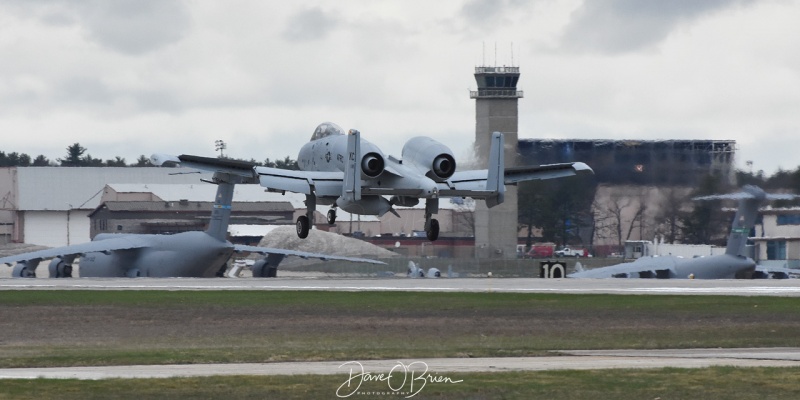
(220, 146)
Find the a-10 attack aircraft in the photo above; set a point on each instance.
(733, 264)
(344, 171)
(186, 254)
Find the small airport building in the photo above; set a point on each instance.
(777, 237)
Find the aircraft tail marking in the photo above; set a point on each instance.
(351, 189)
(495, 180)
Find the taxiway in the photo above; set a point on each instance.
(765, 287)
(567, 360)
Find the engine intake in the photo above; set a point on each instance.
(444, 165)
(372, 165)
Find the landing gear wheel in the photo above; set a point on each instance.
(302, 227)
(433, 230)
(331, 216)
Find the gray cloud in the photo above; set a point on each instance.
(483, 11)
(135, 26)
(309, 25)
(618, 26)
(82, 91)
(127, 26)
(78, 90)
(490, 13)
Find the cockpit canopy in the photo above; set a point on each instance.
(326, 129)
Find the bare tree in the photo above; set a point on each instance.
(621, 214)
(668, 219)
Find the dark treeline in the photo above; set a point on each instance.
(77, 156)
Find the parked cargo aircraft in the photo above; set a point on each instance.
(186, 254)
(733, 264)
(344, 171)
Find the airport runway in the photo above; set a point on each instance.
(568, 360)
(761, 287)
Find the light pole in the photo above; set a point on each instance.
(220, 146)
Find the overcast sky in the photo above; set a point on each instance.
(133, 77)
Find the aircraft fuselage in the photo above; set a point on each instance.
(722, 266)
(186, 254)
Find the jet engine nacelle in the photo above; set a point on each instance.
(25, 269)
(59, 268)
(429, 156)
(372, 160)
(368, 205)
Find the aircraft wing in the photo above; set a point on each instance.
(550, 171)
(645, 267)
(243, 169)
(473, 183)
(301, 254)
(322, 183)
(100, 246)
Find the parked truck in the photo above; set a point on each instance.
(540, 250)
(569, 252)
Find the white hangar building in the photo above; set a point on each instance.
(48, 206)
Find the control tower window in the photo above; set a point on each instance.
(500, 81)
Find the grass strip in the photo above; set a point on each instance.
(70, 328)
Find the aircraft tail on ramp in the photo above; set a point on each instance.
(750, 199)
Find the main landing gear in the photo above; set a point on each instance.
(304, 221)
(431, 224)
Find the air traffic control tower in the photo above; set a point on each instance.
(496, 111)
